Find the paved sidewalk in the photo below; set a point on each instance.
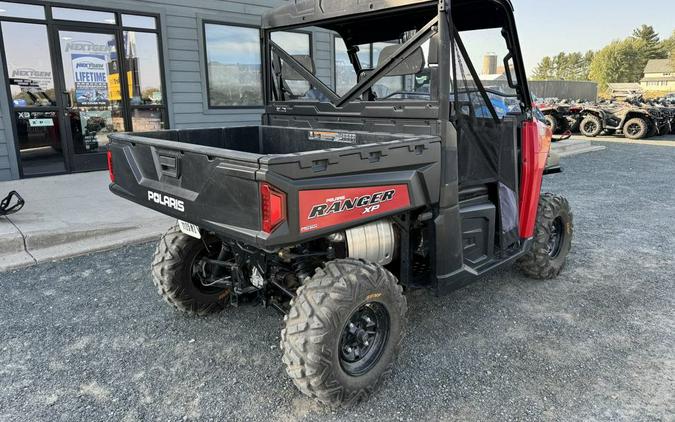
(71, 215)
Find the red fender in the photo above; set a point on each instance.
(535, 146)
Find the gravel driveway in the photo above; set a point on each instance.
(89, 339)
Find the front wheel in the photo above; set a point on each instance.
(552, 239)
(343, 331)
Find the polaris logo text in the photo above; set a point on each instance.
(369, 204)
(167, 201)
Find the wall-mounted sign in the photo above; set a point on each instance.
(90, 72)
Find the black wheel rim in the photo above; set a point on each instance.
(633, 129)
(364, 338)
(202, 274)
(590, 127)
(556, 238)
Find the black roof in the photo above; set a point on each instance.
(306, 12)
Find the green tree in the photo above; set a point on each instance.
(544, 70)
(564, 66)
(653, 48)
(669, 46)
(586, 69)
(620, 61)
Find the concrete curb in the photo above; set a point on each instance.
(54, 245)
(11, 240)
(71, 215)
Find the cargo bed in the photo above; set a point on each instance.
(212, 177)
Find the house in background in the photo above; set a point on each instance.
(622, 90)
(659, 76)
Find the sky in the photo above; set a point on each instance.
(547, 27)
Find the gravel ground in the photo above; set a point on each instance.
(89, 339)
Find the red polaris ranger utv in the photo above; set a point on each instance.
(383, 167)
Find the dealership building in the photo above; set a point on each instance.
(75, 71)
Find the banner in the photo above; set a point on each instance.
(115, 88)
(90, 73)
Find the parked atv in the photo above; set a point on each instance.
(556, 115)
(631, 121)
(336, 206)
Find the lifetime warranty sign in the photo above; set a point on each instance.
(90, 72)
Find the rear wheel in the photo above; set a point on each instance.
(591, 126)
(636, 128)
(552, 239)
(180, 276)
(343, 331)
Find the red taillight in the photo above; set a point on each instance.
(110, 167)
(273, 205)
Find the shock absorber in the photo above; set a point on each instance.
(302, 268)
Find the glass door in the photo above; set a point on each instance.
(35, 111)
(92, 94)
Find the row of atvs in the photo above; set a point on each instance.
(634, 118)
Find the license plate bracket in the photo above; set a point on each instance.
(189, 229)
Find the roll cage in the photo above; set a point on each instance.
(438, 22)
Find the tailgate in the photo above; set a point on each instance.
(213, 188)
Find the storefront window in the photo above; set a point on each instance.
(147, 120)
(233, 65)
(143, 68)
(136, 21)
(19, 10)
(30, 73)
(81, 15)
